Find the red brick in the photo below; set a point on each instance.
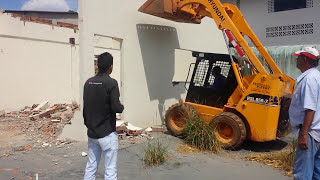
(157, 129)
(134, 133)
(69, 25)
(41, 20)
(121, 129)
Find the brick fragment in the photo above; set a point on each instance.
(122, 136)
(157, 129)
(28, 148)
(121, 129)
(134, 132)
(49, 111)
(42, 106)
(34, 117)
(69, 25)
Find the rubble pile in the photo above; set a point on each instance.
(42, 124)
(42, 121)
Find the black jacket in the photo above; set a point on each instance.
(100, 105)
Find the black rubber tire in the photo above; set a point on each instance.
(229, 129)
(175, 118)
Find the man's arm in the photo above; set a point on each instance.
(116, 106)
(303, 138)
(84, 106)
(309, 101)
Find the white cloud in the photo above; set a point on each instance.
(46, 5)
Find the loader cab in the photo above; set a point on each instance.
(200, 89)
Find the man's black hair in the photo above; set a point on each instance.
(105, 60)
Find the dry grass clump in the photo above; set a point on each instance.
(282, 160)
(200, 135)
(187, 149)
(155, 153)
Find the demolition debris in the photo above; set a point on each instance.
(41, 123)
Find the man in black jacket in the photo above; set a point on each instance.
(100, 105)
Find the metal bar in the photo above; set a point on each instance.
(233, 64)
(185, 84)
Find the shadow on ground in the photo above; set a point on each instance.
(264, 146)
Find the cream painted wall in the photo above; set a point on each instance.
(257, 16)
(107, 44)
(37, 63)
(147, 53)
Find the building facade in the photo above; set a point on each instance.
(38, 61)
(283, 27)
(147, 51)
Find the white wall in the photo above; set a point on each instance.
(257, 16)
(147, 53)
(37, 63)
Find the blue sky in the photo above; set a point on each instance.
(43, 5)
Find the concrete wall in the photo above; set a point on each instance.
(259, 18)
(37, 63)
(147, 53)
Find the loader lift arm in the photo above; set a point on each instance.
(226, 17)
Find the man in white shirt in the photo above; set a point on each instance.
(304, 115)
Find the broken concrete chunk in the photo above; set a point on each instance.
(68, 114)
(133, 128)
(56, 115)
(149, 129)
(55, 120)
(118, 116)
(42, 106)
(75, 105)
(49, 111)
(121, 123)
(27, 111)
(84, 154)
(45, 144)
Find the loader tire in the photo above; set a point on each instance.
(176, 118)
(229, 130)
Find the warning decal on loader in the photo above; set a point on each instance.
(262, 99)
(257, 98)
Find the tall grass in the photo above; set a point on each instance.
(200, 135)
(155, 153)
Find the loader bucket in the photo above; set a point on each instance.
(169, 9)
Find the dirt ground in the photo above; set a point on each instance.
(28, 152)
